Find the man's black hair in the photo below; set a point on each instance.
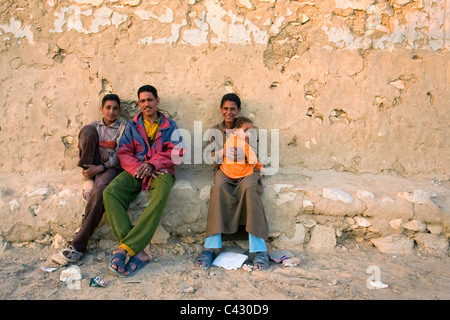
(148, 88)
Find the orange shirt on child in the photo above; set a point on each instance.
(239, 169)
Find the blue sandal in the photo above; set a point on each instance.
(261, 258)
(139, 264)
(119, 263)
(207, 257)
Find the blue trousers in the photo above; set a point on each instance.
(256, 244)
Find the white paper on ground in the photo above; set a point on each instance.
(230, 260)
(378, 285)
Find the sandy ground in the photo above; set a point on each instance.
(335, 275)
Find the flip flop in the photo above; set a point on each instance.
(120, 263)
(207, 257)
(138, 263)
(261, 258)
(74, 254)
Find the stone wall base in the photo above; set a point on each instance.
(306, 210)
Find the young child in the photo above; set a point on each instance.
(239, 139)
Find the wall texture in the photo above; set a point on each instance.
(359, 92)
(359, 86)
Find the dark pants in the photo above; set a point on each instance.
(88, 146)
(236, 202)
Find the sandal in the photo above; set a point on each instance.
(88, 185)
(261, 261)
(71, 255)
(207, 257)
(138, 263)
(119, 263)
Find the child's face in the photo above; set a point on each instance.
(110, 111)
(244, 132)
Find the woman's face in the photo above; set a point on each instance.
(229, 111)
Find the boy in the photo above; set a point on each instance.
(97, 144)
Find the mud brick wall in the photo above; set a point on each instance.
(360, 87)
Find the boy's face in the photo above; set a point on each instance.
(244, 132)
(110, 111)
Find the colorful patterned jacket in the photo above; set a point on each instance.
(166, 151)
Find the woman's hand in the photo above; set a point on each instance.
(235, 154)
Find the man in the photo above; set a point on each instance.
(97, 145)
(147, 148)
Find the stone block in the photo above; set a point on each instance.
(334, 208)
(432, 243)
(336, 195)
(415, 225)
(435, 228)
(429, 212)
(161, 236)
(362, 222)
(295, 242)
(322, 238)
(397, 244)
(417, 196)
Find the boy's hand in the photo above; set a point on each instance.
(104, 155)
(91, 170)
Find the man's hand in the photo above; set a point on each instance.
(144, 171)
(159, 172)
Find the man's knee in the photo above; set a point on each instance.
(163, 183)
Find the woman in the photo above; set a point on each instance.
(234, 202)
